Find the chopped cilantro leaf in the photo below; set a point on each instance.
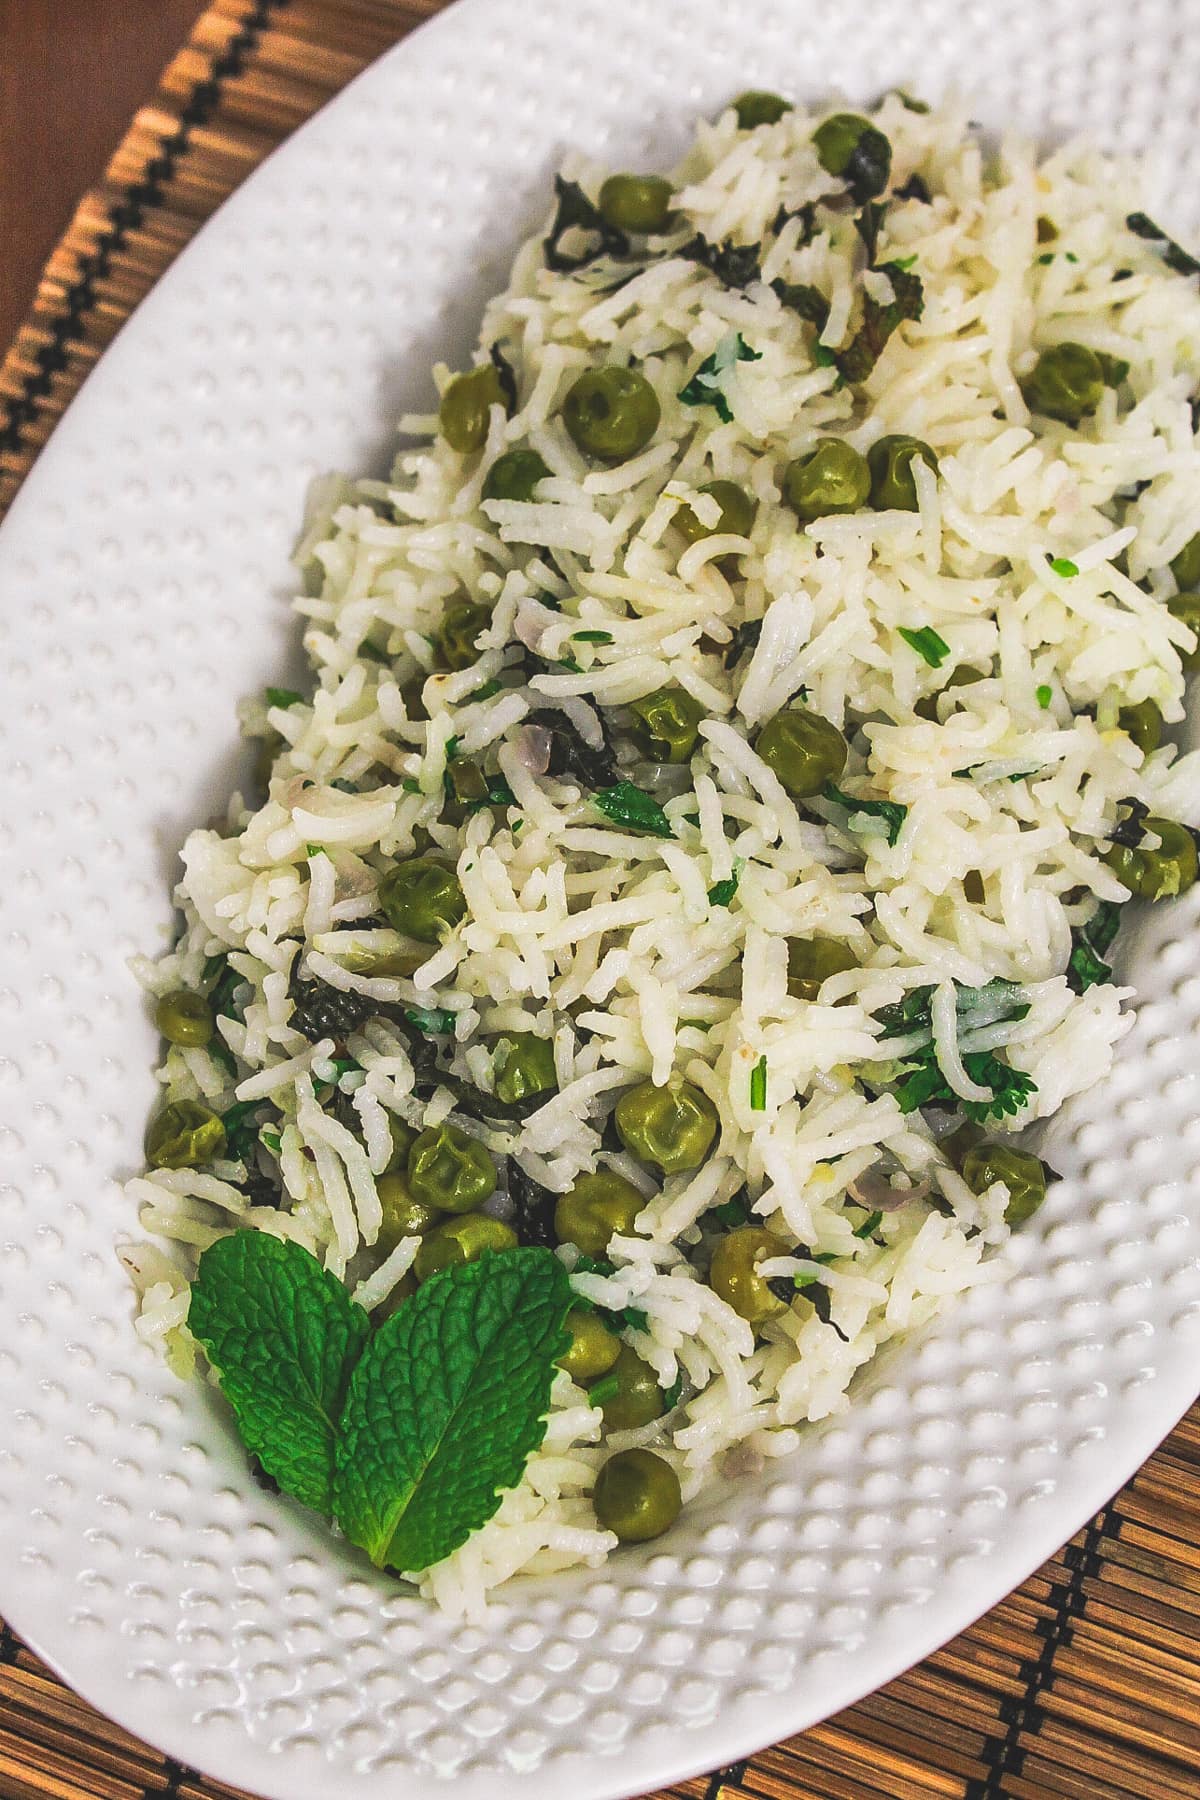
(722, 892)
(705, 387)
(632, 807)
(892, 814)
(1064, 567)
(431, 1021)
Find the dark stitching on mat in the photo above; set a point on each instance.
(722, 1777)
(125, 216)
(175, 1772)
(1021, 1715)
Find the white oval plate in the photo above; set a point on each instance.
(146, 582)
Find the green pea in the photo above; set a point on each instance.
(672, 1128)
(1156, 873)
(631, 1394)
(849, 145)
(461, 624)
(523, 1066)
(963, 676)
(600, 1205)
(831, 478)
(1066, 384)
(811, 960)
(1022, 1174)
(889, 460)
(758, 106)
(1186, 608)
(737, 513)
(637, 1496)
(422, 899)
(593, 1348)
(1185, 567)
(1142, 722)
(611, 413)
(450, 1171)
(514, 475)
(804, 750)
(184, 1135)
(403, 1214)
(184, 1017)
(461, 1240)
(466, 406)
(403, 1138)
(670, 720)
(638, 203)
(734, 1276)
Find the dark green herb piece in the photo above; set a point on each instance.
(722, 892)
(868, 224)
(1174, 255)
(927, 643)
(871, 1223)
(926, 1085)
(856, 362)
(892, 814)
(734, 265)
(571, 756)
(704, 388)
(632, 807)
(989, 1005)
(576, 212)
(432, 1021)
(241, 1133)
(1086, 967)
(1113, 368)
(1064, 567)
(914, 189)
(591, 637)
(911, 105)
(758, 1086)
(801, 297)
(285, 697)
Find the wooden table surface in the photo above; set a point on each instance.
(72, 73)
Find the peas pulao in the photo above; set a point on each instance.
(736, 729)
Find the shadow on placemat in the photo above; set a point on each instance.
(1083, 1684)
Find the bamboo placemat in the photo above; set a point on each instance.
(1082, 1685)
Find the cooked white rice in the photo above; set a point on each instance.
(605, 939)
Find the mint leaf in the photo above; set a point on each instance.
(283, 1335)
(447, 1404)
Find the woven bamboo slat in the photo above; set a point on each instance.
(1082, 1685)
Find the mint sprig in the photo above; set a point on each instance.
(447, 1404)
(283, 1335)
(408, 1436)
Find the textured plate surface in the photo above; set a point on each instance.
(145, 585)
